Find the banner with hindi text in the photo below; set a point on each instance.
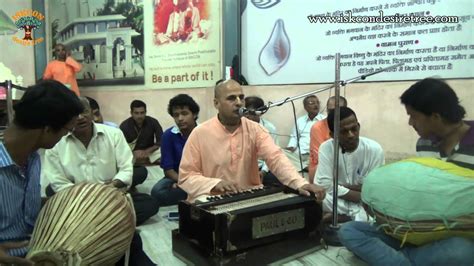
(183, 43)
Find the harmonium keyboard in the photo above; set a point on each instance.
(227, 224)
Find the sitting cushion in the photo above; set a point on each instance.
(420, 200)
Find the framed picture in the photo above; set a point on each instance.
(105, 36)
(184, 44)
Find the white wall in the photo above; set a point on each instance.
(377, 105)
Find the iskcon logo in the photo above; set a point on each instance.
(28, 20)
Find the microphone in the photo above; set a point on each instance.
(363, 77)
(244, 111)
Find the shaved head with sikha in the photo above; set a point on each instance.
(228, 98)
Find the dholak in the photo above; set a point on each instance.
(421, 200)
(87, 224)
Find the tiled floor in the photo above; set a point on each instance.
(156, 235)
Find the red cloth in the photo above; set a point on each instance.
(319, 133)
(162, 14)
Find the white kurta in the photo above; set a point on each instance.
(304, 130)
(272, 130)
(353, 167)
(106, 158)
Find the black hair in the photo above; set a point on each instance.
(219, 82)
(253, 102)
(430, 96)
(48, 103)
(137, 104)
(93, 103)
(237, 75)
(182, 100)
(344, 113)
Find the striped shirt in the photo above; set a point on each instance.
(462, 155)
(20, 199)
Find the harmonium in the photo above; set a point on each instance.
(229, 224)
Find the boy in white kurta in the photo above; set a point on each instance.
(357, 157)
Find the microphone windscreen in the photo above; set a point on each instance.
(242, 111)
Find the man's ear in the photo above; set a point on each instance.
(215, 103)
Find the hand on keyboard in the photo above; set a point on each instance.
(226, 187)
(313, 190)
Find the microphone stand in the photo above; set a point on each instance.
(342, 83)
(363, 77)
(331, 231)
(9, 98)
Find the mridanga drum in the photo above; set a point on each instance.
(87, 224)
(421, 200)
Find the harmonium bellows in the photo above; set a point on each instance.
(227, 224)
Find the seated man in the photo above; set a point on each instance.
(98, 154)
(435, 114)
(252, 103)
(357, 157)
(45, 113)
(320, 133)
(221, 155)
(184, 111)
(143, 134)
(97, 114)
(304, 123)
(175, 24)
(191, 27)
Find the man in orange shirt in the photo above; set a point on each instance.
(221, 155)
(63, 69)
(320, 133)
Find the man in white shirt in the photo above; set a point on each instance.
(304, 123)
(357, 157)
(95, 153)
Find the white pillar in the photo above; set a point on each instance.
(97, 53)
(128, 56)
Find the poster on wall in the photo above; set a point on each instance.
(290, 42)
(183, 43)
(104, 36)
(20, 31)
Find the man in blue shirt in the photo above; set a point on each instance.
(46, 112)
(184, 111)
